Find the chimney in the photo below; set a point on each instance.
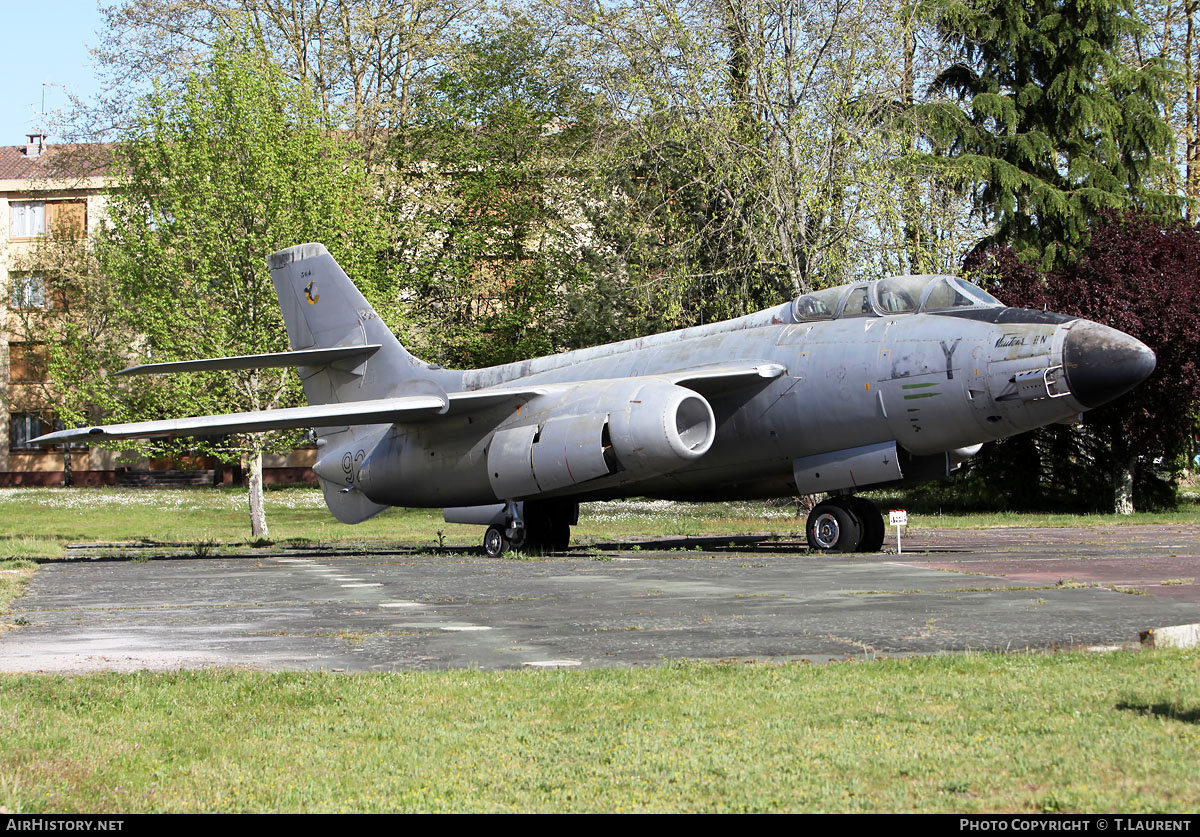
(33, 148)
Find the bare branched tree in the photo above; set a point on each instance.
(365, 59)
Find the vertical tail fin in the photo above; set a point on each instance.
(322, 308)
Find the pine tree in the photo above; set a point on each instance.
(1048, 127)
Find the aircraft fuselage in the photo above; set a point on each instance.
(931, 383)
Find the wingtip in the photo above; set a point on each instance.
(78, 434)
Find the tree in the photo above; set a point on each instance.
(1049, 126)
(366, 60)
(487, 205)
(212, 179)
(45, 294)
(1142, 277)
(1171, 37)
(749, 152)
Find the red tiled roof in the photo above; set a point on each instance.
(56, 162)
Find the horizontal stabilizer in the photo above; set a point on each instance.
(306, 357)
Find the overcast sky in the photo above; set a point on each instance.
(45, 42)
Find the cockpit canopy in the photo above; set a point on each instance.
(893, 295)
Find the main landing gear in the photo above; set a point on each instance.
(533, 528)
(845, 524)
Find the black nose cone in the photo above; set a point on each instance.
(1102, 363)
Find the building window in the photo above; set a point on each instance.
(26, 363)
(67, 219)
(27, 219)
(25, 426)
(27, 290)
(60, 219)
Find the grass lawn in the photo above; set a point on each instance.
(1117, 732)
(40, 522)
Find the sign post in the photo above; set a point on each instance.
(898, 518)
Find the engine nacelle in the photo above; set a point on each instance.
(660, 428)
(640, 429)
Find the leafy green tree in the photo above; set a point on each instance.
(212, 178)
(488, 214)
(1048, 127)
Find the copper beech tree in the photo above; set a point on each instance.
(1141, 276)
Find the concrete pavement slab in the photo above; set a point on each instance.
(391, 610)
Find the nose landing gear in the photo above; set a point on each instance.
(845, 524)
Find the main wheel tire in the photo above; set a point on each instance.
(832, 527)
(538, 531)
(873, 527)
(547, 527)
(560, 539)
(495, 542)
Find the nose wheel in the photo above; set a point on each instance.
(845, 524)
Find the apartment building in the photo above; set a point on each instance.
(48, 194)
(52, 200)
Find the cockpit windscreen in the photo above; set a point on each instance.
(893, 295)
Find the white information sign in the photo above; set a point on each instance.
(898, 518)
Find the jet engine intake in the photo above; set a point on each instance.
(661, 427)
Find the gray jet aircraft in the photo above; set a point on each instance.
(867, 385)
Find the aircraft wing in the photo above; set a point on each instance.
(482, 399)
(380, 411)
(706, 379)
(715, 378)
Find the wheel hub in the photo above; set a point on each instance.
(826, 531)
(494, 542)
